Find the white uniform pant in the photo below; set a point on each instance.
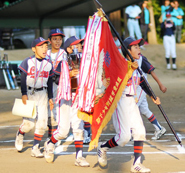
(134, 28)
(67, 118)
(41, 100)
(170, 46)
(53, 114)
(142, 103)
(127, 120)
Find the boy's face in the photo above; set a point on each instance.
(70, 49)
(40, 51)
(79, 47)
(135, 51)
(56, 41)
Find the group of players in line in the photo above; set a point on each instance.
(46, 79)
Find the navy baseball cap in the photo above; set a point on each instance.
(56, 32)
(72, 41)
(39, 41)
(129, 41)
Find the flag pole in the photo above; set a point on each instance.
(99, 7)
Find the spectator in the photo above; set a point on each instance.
(133, 13)
(145, 20)
(164, 9)
(177, 17)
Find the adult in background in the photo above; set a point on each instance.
(145, 20)
(177, 17)
(133, 13)
(164, 8)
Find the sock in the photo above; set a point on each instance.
(154, 121)
(20, 132)
(138, 148)
(52, 140)
(87, 127)
(173, 60)
(51, 130)
(37, 139)
(79, 147)
(110, 144)
(167, 60)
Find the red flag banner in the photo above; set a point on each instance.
(104, 73)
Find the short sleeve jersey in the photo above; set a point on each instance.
(55, 58)
(163, 11)
(36, 77)
(133, 82)
(133, 11)
(175, 13)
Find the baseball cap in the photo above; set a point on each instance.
(39, 41)
(168, 14)
(129, 41)
(56, 32)
(72, 41)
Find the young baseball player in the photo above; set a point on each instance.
(67, 115)
(141, 99)
(87, 125)
(142, 103)
(168, 28)
(36, 85)
(126, 118)
(55, 55)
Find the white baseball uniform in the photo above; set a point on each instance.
(126, 117)
(37, 79)
(67, 117)
(142, 103)
(55, 58)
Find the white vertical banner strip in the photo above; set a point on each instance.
(91, 42)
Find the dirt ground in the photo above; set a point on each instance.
(160, 156)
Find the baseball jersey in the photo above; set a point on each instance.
(136, 79)
(36, 77)
(168, 28)
(55, 58)
(133, 11)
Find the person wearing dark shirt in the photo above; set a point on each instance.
(168, 28)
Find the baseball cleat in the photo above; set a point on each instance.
(159, 133)
(35, 152)
(168, 67)
(49, 152)
(102, 155)
(81, 161)
(174, 67)
(19, 142)
(87, 138)
(139, 168)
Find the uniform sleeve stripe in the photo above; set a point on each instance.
(23, 69)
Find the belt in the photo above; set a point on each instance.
(37, 89)
(133, 18)
(128, 95)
